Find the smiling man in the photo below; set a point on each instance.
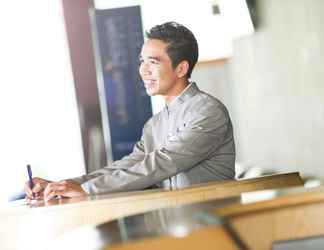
(190, 141)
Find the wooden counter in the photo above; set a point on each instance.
(45, 221)
(256, 222)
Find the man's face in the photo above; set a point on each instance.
(156, 68)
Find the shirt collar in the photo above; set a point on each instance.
(186, 94)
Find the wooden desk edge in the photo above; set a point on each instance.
(313, 195)
(214, 187)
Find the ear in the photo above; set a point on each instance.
(182, 68)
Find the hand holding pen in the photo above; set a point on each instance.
(38, 188)
(34, 187)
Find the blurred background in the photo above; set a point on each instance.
(59, 69)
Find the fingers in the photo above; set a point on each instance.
(53, 189)
(65, 188)
(49, 192)
(38, 188)
(50, 195)
(27, 190)
(37, 191)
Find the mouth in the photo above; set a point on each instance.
(149, 83)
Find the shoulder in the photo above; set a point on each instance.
(204, 103)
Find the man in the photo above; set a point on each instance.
(190, 141)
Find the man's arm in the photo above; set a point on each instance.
(47, 190)
(193, 144)
(127, 161)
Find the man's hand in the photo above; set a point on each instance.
(65, 188)
(38, 189)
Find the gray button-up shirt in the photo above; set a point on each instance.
(190, 141)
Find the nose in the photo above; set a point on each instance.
(144, 68)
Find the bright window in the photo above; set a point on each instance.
(39, 118)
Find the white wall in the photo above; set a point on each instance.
(278, 89)
(213, 78)
(39, 119)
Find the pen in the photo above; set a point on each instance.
(30, 176)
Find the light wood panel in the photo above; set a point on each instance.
(292, 215)
(213, 237)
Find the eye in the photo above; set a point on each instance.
(154, 61)
(140, 61)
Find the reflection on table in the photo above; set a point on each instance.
(60, 216)
(238, 223)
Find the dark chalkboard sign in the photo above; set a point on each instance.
(118, 38)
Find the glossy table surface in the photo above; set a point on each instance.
(183, 220)
(21, 224)
(36, 226)
(175, 222)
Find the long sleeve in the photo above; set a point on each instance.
(192, 143)
(128, 161)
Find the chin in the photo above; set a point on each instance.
(151, 92)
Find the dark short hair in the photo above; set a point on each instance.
(182, 44)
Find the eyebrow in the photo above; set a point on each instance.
(150, 57)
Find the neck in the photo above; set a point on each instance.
(179, 87)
